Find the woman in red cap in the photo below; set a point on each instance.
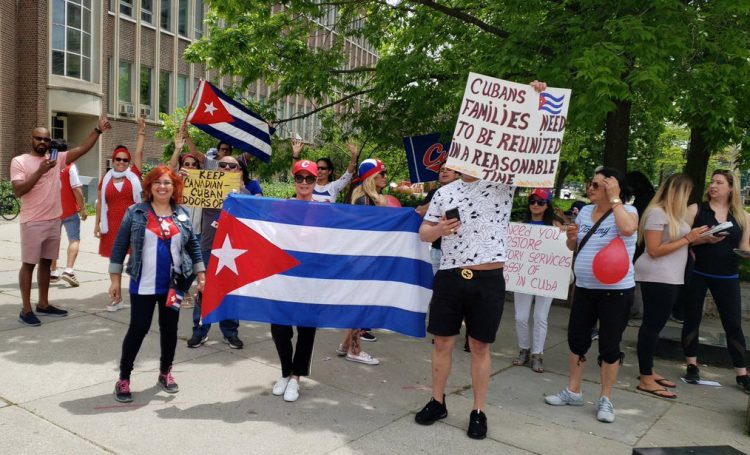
(540, 211)
(295, 360)
(119, 189)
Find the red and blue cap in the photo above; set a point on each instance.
(369, 167)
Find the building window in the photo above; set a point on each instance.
(147, 11)
(125, 79)
(166, 15)
(182, 18)
(198, 19)
(145, 88)
(71, 38)
(181, 91)
(126, 7)
(59, 127)
(165, 79)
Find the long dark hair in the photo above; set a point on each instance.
(329, 163)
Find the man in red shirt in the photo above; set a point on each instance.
(73, 212)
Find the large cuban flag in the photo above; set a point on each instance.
(318, 265)
(225, 119)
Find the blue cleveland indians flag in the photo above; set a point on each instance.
(318, 265)
(425, 154)
(227, 120)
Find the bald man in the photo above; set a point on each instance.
(39, 191)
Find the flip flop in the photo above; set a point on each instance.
(664, 382)
(656, 392)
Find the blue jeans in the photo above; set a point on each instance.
(228, 326)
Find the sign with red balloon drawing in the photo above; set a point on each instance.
(508, 133)
(538, 261)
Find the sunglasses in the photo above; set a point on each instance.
(190, 164)
(321, 168)
(228, 166)
(225, 149)
(42, 139)
(594, 185)
(122, 160)
(382, 174)
(309, 179)
(539, 202)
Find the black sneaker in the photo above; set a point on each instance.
(122, 391)
(29, 319)
(368, 336)
(196, 341)
(432, 412)
(477, 425)
(166, 382)
(692, 376)
(743, 382)
(51, 311)
(234, 342)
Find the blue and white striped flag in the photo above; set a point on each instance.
(318, 265)
(227, 120)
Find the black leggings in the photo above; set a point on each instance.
(658, 301)
(294, 361)
(141, 312)
(612, 309)
(726, 294)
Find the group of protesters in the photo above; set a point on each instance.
(465, 221)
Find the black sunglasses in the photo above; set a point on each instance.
(122, 160)
(228, 165)
(322, 168)
(539, 202)
(594, 185)
(382, 174)
(309, 179)
(190, 164)
(42, 139)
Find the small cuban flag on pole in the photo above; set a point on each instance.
(227, 120)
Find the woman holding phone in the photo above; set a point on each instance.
(717, 269)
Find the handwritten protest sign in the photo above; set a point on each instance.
(208, 189)
(509, 133)
(538, 261)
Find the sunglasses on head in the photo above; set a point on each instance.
(190, 164)
(539, 202)
(228, 165)
(122, 160)
(42, 139)
(309, 179)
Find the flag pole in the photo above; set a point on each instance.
(195, 93)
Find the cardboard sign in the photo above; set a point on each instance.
(538, 261)
(508, 133)
(208, 189)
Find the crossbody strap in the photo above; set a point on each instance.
(590, 233)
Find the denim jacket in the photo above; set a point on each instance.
(132, 232)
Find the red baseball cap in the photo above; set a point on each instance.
(305, 165)
(542, 193)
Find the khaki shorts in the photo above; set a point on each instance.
(40, 240)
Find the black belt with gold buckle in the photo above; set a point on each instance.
(469, 274)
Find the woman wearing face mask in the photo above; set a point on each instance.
(119, 189)
(295, 361)
(717, 269)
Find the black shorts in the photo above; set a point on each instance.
(479, 300)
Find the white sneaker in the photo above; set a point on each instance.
(292, 391)
(341, 351)
(280, 386)
(606, 411)
(363, 357)
(114, 306)
(565, 397)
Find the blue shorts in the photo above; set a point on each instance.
(72, 226)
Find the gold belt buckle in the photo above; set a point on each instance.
(467, 274)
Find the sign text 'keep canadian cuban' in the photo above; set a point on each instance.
(538, 261)
(208, 189)
(508, 133)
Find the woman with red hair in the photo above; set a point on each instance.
(164, 257)
(119, 189)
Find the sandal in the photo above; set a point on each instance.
(661, 393)
(664, 382)
(522, 359)
(536, 363)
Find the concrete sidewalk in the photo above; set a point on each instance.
(57, 381)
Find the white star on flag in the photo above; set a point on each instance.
(227, 255)
(210, 108)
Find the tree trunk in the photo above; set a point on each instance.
(562, 172)
(617, 136)
(698, 155)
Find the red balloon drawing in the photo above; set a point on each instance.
(611, 264)
(392, 201)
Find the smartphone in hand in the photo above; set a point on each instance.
(53, 154)
(452, 214)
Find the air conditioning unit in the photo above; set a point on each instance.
(127, 109)
(146, 111)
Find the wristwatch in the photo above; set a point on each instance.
(98, 131)
(616, 200)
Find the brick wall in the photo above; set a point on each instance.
(8, 69)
